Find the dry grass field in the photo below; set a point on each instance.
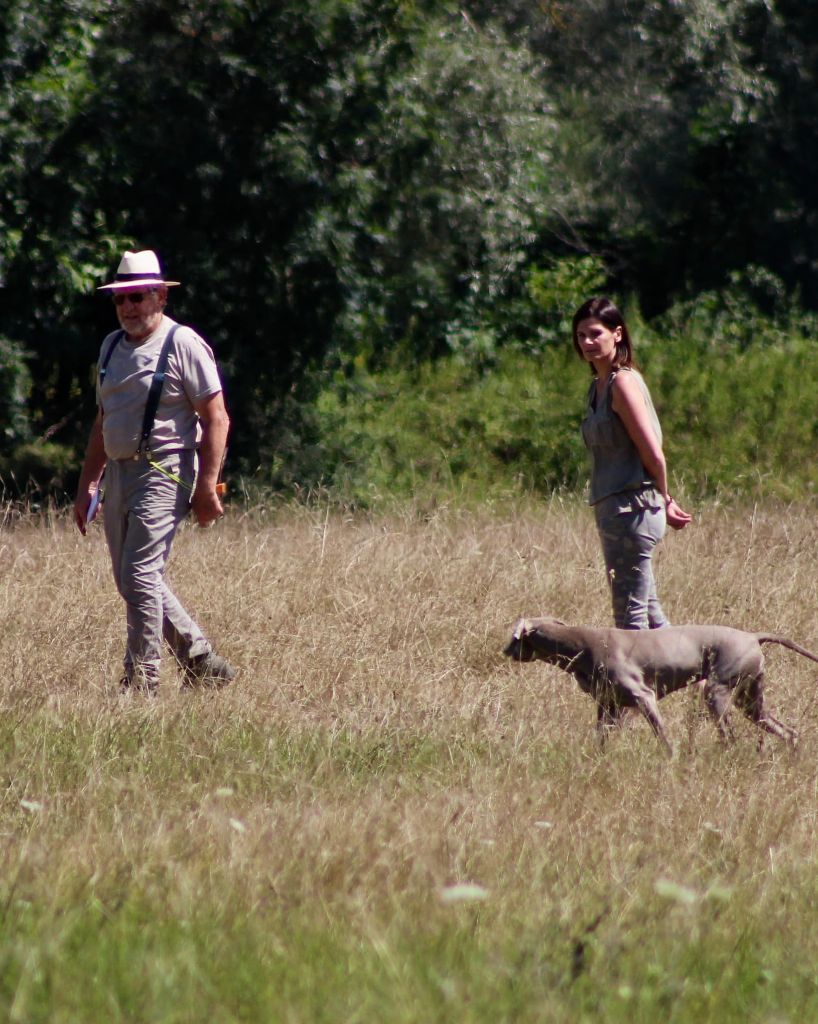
(384, 820)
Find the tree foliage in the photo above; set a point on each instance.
(686, 130)
(359, 183)
(353, 193)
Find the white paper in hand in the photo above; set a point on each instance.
(93, 505)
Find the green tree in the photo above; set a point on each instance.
(686, 132)
(384, 172)
(459, 189)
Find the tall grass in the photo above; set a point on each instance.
(383, 819)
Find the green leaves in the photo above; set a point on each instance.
(352, 181)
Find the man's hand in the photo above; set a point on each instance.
(81, 505)
(86, 506)
(206, 506)
(205, 501)
(92, 469)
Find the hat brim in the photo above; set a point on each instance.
(121, 286)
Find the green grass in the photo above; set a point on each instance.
(289, 849)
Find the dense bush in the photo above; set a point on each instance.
(733, 393)
(37, 469)
(444, 429)
(15, 382)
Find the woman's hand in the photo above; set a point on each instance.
(676, 516)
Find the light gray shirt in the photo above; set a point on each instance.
(191, 376)
(616, 467)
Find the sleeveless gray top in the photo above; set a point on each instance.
(615, 462)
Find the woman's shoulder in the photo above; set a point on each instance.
(628, 377)
(629, 385)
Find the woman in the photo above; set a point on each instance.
(629, 492)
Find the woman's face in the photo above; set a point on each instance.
(596, 341)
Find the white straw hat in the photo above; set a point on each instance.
(137, 268)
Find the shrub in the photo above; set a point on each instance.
(732, 375)
(38, 469)
(15, 382)
(446, 428)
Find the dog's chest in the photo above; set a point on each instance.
(592, 674)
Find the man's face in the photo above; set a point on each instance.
(139, 309)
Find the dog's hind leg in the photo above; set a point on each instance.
(778, 728)
(750, 698)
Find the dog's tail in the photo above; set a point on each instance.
(771, 638)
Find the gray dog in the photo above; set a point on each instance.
(624, 668)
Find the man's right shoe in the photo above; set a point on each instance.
(208, 670)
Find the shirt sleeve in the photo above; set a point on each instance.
(199, 373)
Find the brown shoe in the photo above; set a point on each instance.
(208, 670)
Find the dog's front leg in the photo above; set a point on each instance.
(649, 706)
(717, 702)
(608, 718)
(646, 702)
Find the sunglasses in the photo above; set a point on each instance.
(133, 297)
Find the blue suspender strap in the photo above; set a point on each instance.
(103, 366)
(154, 393)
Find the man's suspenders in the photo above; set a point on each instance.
(155, 389)
(103, 366)
(153, 395)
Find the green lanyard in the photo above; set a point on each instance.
(171, 476)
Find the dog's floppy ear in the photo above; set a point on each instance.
(520, 629)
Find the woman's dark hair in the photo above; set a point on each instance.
(602, 309)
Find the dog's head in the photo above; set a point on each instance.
(523, 645)
(517, 648)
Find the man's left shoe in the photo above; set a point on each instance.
(208, 670)
(147, 686)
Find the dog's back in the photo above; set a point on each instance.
(673, 656)
(666, 658)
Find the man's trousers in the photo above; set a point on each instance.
(143, 508)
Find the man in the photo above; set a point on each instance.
(151, 422)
